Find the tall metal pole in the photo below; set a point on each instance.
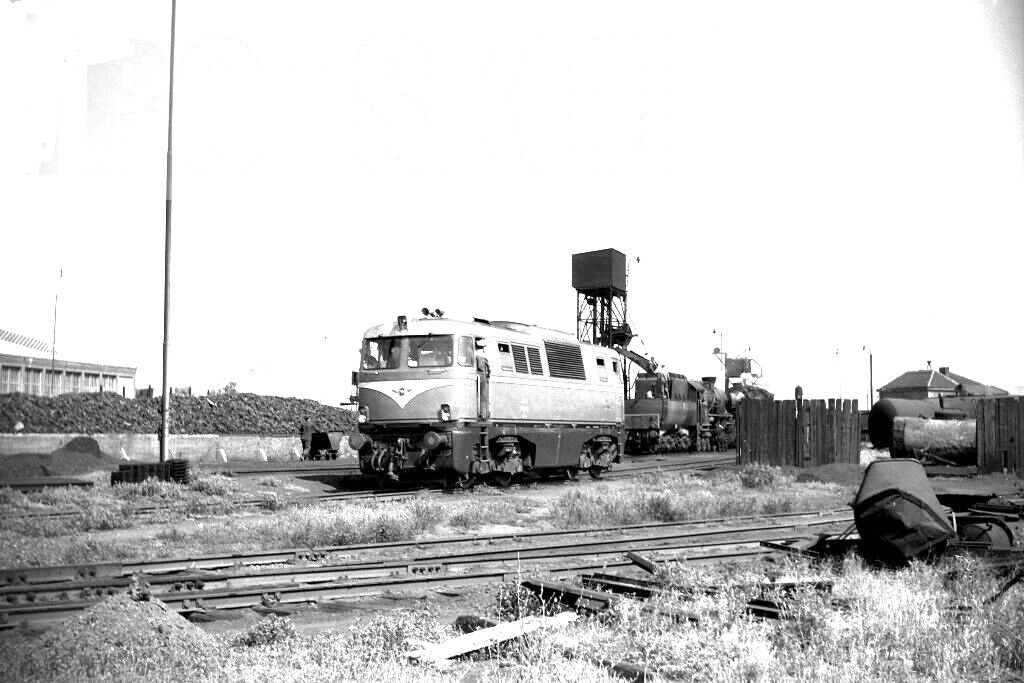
(166, 400)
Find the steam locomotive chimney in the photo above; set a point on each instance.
(708, 380)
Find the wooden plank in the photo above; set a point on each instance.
(854, 438)
(773, 426)
(740, 431)
(815, 433)
(786, 423)
(788, 444)
(751, 433)
(822, 432)
(1000, 431)
(842, 410)
(745, 406)
(854, 433)
(485, 637)
(780, 455)
(828, 454)
(1008, 415)
(1018, 462)
(980, 436)
(801, 427)
(992, 446)
(766, 432)
(754, 431)
(812, 434)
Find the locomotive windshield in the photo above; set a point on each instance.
(430, 352)
(389, 353)
(382, 353)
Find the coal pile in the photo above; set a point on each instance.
(103, 413)
(121, 639)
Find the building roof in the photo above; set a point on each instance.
(12, 342)
(940, 381)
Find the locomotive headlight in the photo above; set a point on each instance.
(364, 415)
(357, 441)
(445, 414)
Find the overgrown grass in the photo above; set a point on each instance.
(105, 507)
(652, 497)
(671, 497)
(874, 625)
(345, 524)
(918, 624)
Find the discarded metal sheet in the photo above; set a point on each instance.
(897, 513)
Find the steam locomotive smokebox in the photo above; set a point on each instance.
(599, 271)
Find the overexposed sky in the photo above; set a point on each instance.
(807, 177)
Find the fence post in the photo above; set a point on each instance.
(798, 393)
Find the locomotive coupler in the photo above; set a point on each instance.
(388, 459)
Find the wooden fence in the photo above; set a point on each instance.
(1000, 439)
(773, 433)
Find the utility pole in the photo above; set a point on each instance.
(871, 378)
(165, 406)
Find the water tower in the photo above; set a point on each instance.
(599, 278)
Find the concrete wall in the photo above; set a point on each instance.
(146, 447)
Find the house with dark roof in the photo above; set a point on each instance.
(931, 384)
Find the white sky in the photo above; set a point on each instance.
(805, 176)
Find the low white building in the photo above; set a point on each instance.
(29, 366)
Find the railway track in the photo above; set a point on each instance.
(190, 584)
(351, 467)
(697, 463)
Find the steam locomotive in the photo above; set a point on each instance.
(485, 399)
(672, 413)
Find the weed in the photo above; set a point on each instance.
(270, 630)
(759, 476)
(515, 602)
(667, 497)
(212, 484)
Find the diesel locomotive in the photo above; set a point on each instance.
(485, 399)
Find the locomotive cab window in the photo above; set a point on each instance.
(430, 352)
(467, 352)
(382, 353)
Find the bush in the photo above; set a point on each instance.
(212, 484)
(758, 476)
(270, 630)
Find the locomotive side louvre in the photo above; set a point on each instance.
(474, 398)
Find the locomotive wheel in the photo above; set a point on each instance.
(596, 471)
(502, 479)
